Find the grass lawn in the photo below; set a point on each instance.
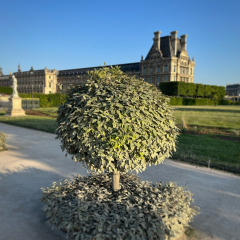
(49, 111)
(226, 117)
(201, 148)
(190, 148)
(45, 124)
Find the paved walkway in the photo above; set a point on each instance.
(34, 160)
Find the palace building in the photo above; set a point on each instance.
(167, 60)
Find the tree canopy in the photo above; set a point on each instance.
(116, 123)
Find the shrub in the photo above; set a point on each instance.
(115, 123)
(2, 141)
(199, 90)
(208, 91)
(177, 101)
(46, 100)
(169, 88)
(202, 101)
(6, 90)
(137, 210)
(222, 92)
(189, 101)
(190, 89)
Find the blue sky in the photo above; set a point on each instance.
(76, 34)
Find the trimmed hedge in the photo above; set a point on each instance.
(46, 100)
(177, 101)
(191, 89)
(87, 208)
(6, 90)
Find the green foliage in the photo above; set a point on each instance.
(208, 91)
(117, 123)
(190, 89)
(190, 101)
(46, 100)
(221, 92)
(182, 88)
(86, 208)
(169, 88)
(174, 101)
(204, 101)
(2, 141)
(215, 96)
(6, 90)
(200, 90)
(198, 101)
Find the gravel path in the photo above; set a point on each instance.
(34, 160)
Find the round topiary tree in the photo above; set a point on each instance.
(116, 123)
(113, 124)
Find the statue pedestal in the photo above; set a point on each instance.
(15, 107)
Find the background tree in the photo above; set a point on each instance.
(116, 123)
(215, 97)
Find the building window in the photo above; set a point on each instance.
(166, 79)
(191, 71)
(174, 68)
(144, 71)
(183, 70)
(151, 70)
(158, 68)
(49, 84)
(158, 80)
(145, 80)
(49, 76)
(49, 91)
(150, 79)
(166, 67)
(174, 78)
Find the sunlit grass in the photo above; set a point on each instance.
(227, 117)
(45, 124)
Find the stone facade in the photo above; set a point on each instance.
(233, 90)
(166, 61)
(41, 81)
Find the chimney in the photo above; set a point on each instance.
(174, 41)
(156, 40)
(184, 42)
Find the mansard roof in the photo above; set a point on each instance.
(134, 67)
(166, 47)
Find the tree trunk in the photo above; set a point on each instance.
(115, 180)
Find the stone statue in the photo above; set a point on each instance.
(193, 59)
(15, 92)
(60, 85)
